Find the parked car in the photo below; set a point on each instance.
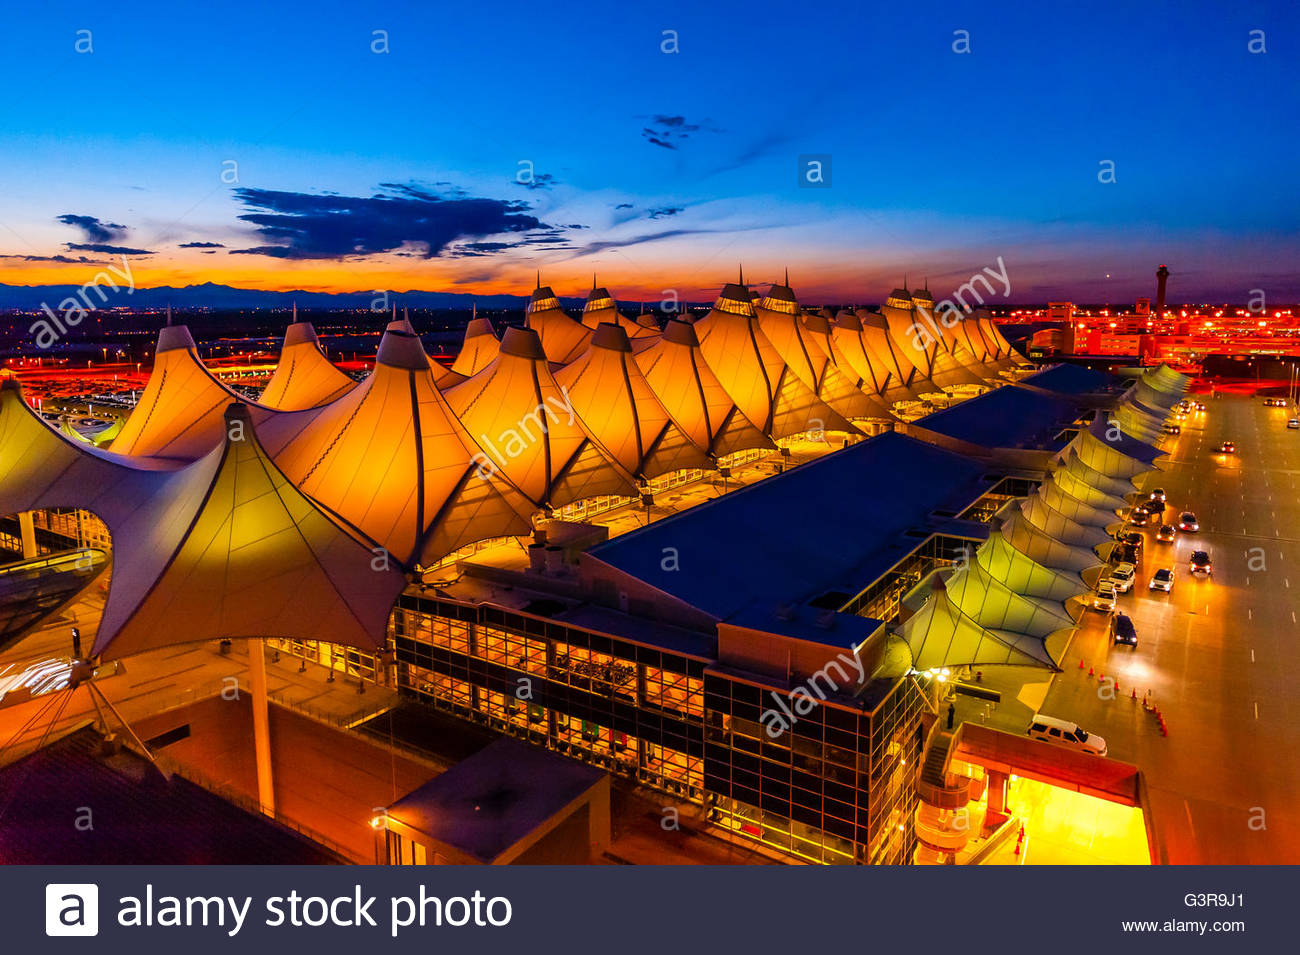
(1227, 448)
(1126, 553)
(1187, 522)
(1157, 495)
(1275, 402)
(1155, 508)
(1123, 576)
(1173, 429)
(1123, 631)
(1200, 563)
(1162, 579)
(1104, 598)
(1133, 538)
(1067, 733)
(1293, 423)
(1200, 406)
(1167, 533)
(1139, 516)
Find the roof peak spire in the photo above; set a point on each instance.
(169, 313)
(742, 273)
(787, 276)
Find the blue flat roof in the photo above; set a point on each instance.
(837, 523)
(1007, 417)
(1072, 380)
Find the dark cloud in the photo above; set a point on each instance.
(106, 249)
(201, 245)
(670, 131)
(624, 205)
(544, 181)
(640, 240)
(93, 228)
(311, 226)
(77, 260)
(663, 212)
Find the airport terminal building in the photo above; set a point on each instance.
(709, 559)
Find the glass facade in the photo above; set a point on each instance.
(834, 785)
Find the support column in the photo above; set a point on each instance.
(261, 726)
(27, 527)
(997, 791)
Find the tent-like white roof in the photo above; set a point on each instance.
(479, 348)
(601, 309)
(562, 338)
(693, 396)
(181, 413)
(780, 321)
(940, 635)
(1019, 572)
(1072, 507)
(235, 550)
(841, 338)
(906, 383)
(1060, 527)
(954, 360)
(1043, 549)
(1068, 478)
(222, 546)
(755, 376)
(992, 604)
(529, 430)
(304, 377)
(613, 398)
(391, 460)
(1117, 458)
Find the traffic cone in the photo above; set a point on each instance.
(1089, 671)
(1117, 686)
(1081, 663)
(1135, 693)
(1101, 678)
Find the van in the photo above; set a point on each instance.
(1104, 598)
(1068, 734)
(1123, 576)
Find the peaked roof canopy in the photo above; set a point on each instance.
(562, 338)
(611, 395)
(529, 430)
(304, 377)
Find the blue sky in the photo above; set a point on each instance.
(666, 169)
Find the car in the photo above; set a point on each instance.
(1173, 429)
(1162, 579)
(1200, 563)
(1155, 508)
(1132, 538)
(1123, 576)
(1139, 516)
(1126, 554)
(1123, 631)
(1069, 734)
(1293, 423)
(1187, 522)
(1158, 494)
(1200, 406)
(1104, 598)
(1166, 534)
(1227, 448)
(1275, 402)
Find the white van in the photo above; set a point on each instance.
(1063, 731)
(1123, 576)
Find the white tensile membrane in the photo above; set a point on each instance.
(529, 431)
(780, 321)
(940, 635)
(610, 393)
(563, 339)
(204, 550)
(303, 377)
(601, 309)
(693, 396)
(1060, 527)
(391, 460)
(1019, 572)
(755, 376)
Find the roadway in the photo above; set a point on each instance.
(1218, 655)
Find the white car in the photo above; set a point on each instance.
(1067, 733)
(1162, 579)
(1293, 423)
(1104, 598)
(1122, 577)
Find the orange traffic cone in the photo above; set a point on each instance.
(1135, 693)
(1081, 663)
(1089, 671)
